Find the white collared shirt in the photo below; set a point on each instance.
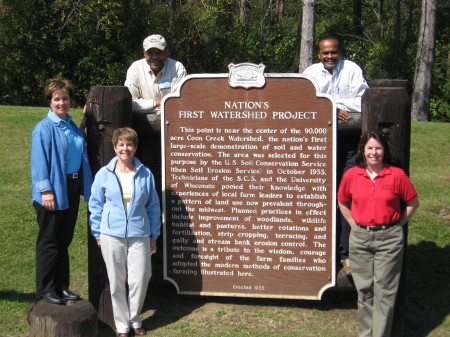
(346, 85)
(145, 87)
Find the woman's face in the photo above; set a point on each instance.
(125, 149)
(373, 152)
(60, 104)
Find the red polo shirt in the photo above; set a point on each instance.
(376, 202)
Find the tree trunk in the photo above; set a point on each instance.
(173, 10)
(75, 319)
(108, 108)
(408, 24)
(242, 4)
(424, 62)
(357, 13)
(378, 7)
(280, 8)
(307, 38)
(397, 39)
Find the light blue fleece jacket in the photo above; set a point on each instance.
(108, 215)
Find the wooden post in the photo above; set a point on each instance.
(108, 108)
(148, 128)
(386, 106)
(75, 319)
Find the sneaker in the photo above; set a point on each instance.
(346, 266)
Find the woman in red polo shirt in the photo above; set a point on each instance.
(370, 197)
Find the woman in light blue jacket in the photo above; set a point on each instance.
(125, 220)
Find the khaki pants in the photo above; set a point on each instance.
(376, 259)
(128, 261)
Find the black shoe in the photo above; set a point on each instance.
(52, 298)
(68, 295)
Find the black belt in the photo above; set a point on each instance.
(73, 176)
(378, 227)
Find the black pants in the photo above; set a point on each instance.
(56, 230)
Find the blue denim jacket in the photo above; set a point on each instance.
(108, 215)
(48, 162)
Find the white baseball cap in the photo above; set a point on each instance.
(154, 41)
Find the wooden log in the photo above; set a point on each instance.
(75, 319)
(147, 124)
(350, 127)
(389, 83)
(353, 126)
(108, 108)
(388, 109)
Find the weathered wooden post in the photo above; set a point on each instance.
(148, 128)
(75, 319)
(386, 107)
(349, 132)
(108, 108)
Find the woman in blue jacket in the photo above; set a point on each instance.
(60, 172)
(125, 221)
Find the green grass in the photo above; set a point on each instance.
(170, 315)
(430, 173)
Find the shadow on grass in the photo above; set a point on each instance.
(428, 296)
(167, 307)
(428, 290)
(164, 305)
(14, 296)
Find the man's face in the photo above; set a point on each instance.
(156, 58)
(329, 54)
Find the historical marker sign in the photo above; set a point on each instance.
(249, 186)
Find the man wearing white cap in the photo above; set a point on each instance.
(151, 78)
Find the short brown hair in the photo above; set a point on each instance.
(57, 84)
(126, 134)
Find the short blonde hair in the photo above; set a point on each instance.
(126, 134)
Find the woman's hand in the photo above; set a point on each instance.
(347, 213)
(411, 207)
(48, 200)
(83, 118)
(152, 246)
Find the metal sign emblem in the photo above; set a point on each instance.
(246, 75)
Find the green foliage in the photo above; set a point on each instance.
(94, 42)
(440, 90)
(440, 108)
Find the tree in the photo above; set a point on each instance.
(420, 110)
(94, 42)
(242, 4)
(307, 39)
(357, 12)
